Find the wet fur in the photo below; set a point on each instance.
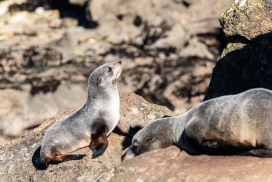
(236, 124)
(91, 124)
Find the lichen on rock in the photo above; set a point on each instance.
(247, 18)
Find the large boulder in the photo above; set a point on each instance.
(246, 60)
(18, 157)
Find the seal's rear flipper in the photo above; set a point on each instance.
(57, 157)
(99, 142)
(118, 129)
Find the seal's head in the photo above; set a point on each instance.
(105, 76)
(155, 135)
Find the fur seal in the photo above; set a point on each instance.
(229, 125)
(89, 125)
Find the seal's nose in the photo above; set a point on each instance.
(118, 62)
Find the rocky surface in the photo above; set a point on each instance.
(171, 164)
(243, 64)
(18, 157)
(246, 60)
(168, 49)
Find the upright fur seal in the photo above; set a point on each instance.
(236, 124)
(91, 124)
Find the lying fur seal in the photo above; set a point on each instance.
(235, 124)
(91, 124)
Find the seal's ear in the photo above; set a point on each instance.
(99, 80)
(99, 142)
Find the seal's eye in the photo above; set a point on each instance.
(150, 139)
(109, 69)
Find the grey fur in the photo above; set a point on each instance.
(101, 110)
(225, 125)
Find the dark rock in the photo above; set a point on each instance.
(77, 9)
(246, 60)
(42, 57)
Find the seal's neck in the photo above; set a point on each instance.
(101, 95)
(178, 125)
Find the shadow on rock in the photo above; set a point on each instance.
(127, 141)
(36, 159)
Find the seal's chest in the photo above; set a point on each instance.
(113, 107)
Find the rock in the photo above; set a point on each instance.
(171, 164)
(69, 22)
(192, 85)
(135, 111)
(38, 57)
(18, 157)
(245, 62)
(162, 18)
(4, 5)
(10, 62)
(247, 19)
(190, 2)
(66, 8)
(176, 37)
(106, 10)
(196, 49)
(21, 112)
(203, 18)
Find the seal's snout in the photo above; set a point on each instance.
(118, 66)
(128, 155)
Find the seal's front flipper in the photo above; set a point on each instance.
(118, 129)
(99, 142)
(99, 145)
(261, 152)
